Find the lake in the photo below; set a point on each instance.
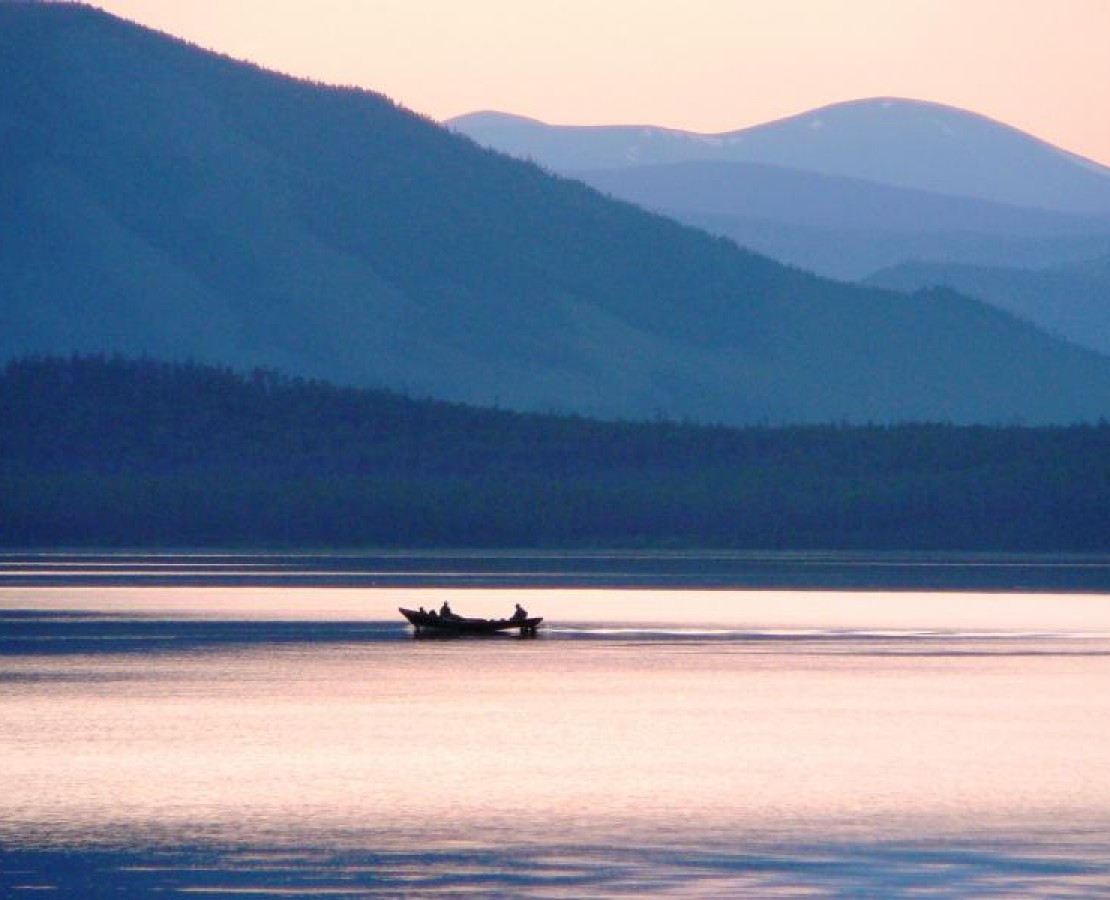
(688, 725)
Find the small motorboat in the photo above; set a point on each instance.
(429, 623)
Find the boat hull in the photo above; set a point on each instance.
(426, 623)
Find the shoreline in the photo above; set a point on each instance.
(587, 569)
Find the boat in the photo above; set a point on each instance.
(431, 623)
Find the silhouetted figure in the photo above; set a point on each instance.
(445, 611)
(519, 614)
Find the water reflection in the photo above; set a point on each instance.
(881, 869)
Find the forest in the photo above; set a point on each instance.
(109, 451)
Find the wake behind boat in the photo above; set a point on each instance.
(426, 622)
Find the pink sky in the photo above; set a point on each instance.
(705, 65)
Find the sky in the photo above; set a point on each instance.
(701, 65)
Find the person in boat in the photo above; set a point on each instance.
(445, 611)
(519, 614)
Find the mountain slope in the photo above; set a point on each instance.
(906, 143)
(852, 254)
(847, 228)
(164, 200)
(1071, 301)
(825, 201)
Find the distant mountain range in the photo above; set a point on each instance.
(827, 201)
(159, 199)
(845, 190)
(905, 143)
(848, 228)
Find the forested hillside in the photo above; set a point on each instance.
(100, 451)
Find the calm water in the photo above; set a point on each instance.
(209, 733)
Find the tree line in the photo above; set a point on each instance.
(99, 451)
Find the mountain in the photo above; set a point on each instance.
(845, 190)
(825, 201)
(1070, 301)
(905, 143)
(158, 199)
(852, 254)
(848, 228)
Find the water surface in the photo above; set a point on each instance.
(290, 740)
